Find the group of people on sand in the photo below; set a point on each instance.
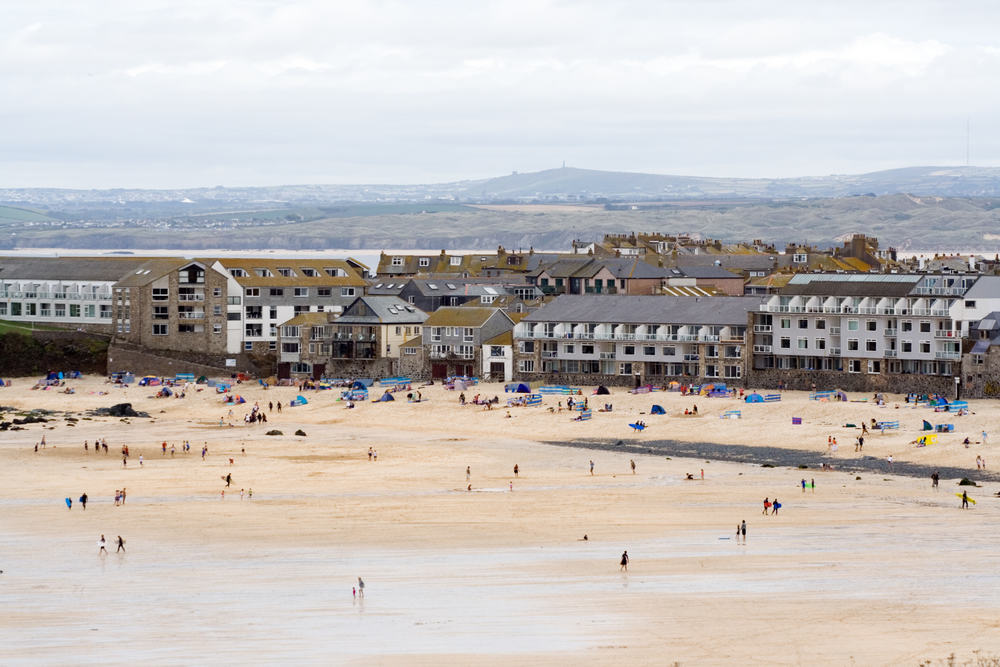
(99, 444)
(103, 543)
(771, 507)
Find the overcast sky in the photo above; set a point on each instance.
(171, 93)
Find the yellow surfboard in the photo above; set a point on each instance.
(968, 497)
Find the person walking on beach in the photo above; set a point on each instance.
(101, 544)
(361, 587)
(516, 469)
(965, 500)
(743, 530)
(123, 495)
(591, 466)
(624, 561)
(774, 507)
(121, 544)
(803, 485)
(83, 500)
(934, 479)
(812, 484)
(468, 473)
(888, 460)
(370, 452)
(632, 463)
(229, 479)
(767, 506)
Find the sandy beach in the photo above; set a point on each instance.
(872, 566)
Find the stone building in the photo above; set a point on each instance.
(624, 340)
(453, 338)
(366, 340)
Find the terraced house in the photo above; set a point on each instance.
(453, 338)
(627, 339)
(864, 331)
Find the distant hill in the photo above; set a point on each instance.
(590, 184)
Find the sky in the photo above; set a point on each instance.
(187, 93)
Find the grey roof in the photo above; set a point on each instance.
(987, 324)
(152, 269)
(454, 287)
(743, 262)
(67, 268)
(711, 271)
(985, 287)
(980, 347)
(717, 310)
(850, 284)
(386, 286)
(385, 310)
(586, 267)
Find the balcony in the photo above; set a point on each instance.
(762, 328)
(191, 316)
(946, 333)
(549, 354)
(834, 331)
(890, 354)
(890, 333)
(190, 297)
(947, 354)
(607, 355)
(762, 349)
(692, 357)
(834, 351)
(939, 291)
(708, 338)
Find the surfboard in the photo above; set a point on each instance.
(968, 497)
(777, 506)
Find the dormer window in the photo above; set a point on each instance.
(425, 262)
(397, 261)
(456, 261)
(263, 273)
(309, 273)
(337, 273)
(286, 272)
(800, 258)
(237, 273)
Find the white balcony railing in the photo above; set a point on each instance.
(762, 349)
(947, 354)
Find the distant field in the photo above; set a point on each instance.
(23, 327)
(541, 208)
(12, 214)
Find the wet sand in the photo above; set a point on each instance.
(876, 571)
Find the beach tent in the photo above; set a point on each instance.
(2, 383)
(517, 388)
(841, 396)
(237, 399)
(75, 375)
(203, 380)
(927, 426)
(940, 400)
(299, 400)
(385, 397)
(657, 410)
(164, 392)
(753, 398)
(360, 385)
(602, 390)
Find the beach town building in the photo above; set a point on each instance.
(453, 338)
(429, 294)
(622, 340)
(73, 292)
(587, 275)
(862, 331)
(367, 339)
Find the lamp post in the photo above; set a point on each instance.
(958, 384)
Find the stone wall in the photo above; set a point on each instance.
(415, 366)
(981, 380)
(128, 357)
(895, 383)
(363, 368)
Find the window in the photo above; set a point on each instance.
(290, 348)
(977, 360)
(286, 272)
(854, 366)
(468, 334)
(496, 350)
(397, 261)
(907, 325)
(272, 313)
(424, 262)
(785, 343)
(629, 350)
(820, 343)
(852, 325)
(669, 350)
(335, 273)
(252, 291)
(233, 300)
(800, 258)
(248, 346)
(216, 291)
(803, 324)
(60, 309)
(161, 312)
(487, 298)
(648, 350)
(970, 304)
(217, 310)
(925, 347)
(237, 273)
(276, 291)
(301, 291)
(821, 324)
(874, 366)
(346, 291)
(307, 272)
(272, 345)
(526, 365)
(233, 317)
(569, 348)
(803, 343)
(852, 344)
(255, 312)
(456, 261)
(786, 323)
(586, 349)
(324, 291)
(74, 309)
(871, 325)
(870, 345)
(625, 369)
(161, 293)
(925, 327)
(160, 329)
(263, 273)
(907, 346)
(217, 328)
(254, 330)
(527, 346)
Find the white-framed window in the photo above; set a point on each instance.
(161, 293)
(802, 343)
(290, 348)
(820, 343)
(526, 365)
(286, 272)
(409, 350)
(786, 323)
(217, 328)
(497, 351)
(301, 291)
(217, 310)
(468, 334)
(276, 291)
(436, 334)
(272, 345)
(907, 346)
(397, 261)
(346, 291)
(854, 366)
(821, 324)
(252, 291)
(925, 346)
(301, 367)
(216, 291)
(248, 346)
(160, 329)
(785, 343)
(569, 348)
(456, 261)
(852, 325)
(233, 300)
(852, 344)
(424, 262)
(308, 272)
(871, 345)
(874, 366)
(800, 258)
(625, 368)
(324, 291)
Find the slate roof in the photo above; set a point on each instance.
(985, 287)
(298, 266)
(68, 268)
(154, 269)
(825, 284)
(706, 272)
(618, 309)
(384, 310)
